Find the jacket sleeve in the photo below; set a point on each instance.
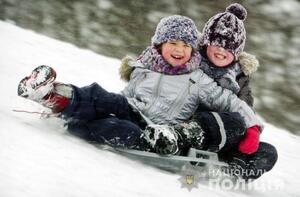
(245, 92)
(220, 99)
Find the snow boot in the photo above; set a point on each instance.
(162, 139)
(41, 88)
(170, 139)
(190, 135)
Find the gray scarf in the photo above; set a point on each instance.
(225, 77)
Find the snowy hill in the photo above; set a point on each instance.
(39, 158)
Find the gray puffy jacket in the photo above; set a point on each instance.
(172, 99)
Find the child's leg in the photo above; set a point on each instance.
(251, 166)
(40, 87)
(207, 131)
(87, 103)
(93, 102)
(222, 130)
(176, 139)
(111, 131)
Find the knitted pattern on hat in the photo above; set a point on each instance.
(176, 27)
(154, 61)
(226, 29)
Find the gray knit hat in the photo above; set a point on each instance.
(226, 29)
(176, 27)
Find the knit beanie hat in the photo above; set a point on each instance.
(226, 29)
(176, 27)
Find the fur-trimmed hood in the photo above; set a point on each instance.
(248, 62)
(125, 69)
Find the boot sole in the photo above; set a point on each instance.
(50, 76)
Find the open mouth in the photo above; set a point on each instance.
(220, 56)
(178, 57)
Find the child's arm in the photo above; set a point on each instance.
(249, 65)
(219, 99)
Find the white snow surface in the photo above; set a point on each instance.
(39, 158)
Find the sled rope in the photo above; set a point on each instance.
(43, 114)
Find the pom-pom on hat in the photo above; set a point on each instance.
(226, 29)
(176, 27)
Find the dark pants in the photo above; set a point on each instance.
(97, 115)
(243, 165)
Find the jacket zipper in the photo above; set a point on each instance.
(157, 91)
(180, 100)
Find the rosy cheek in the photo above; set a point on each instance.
(165, 54)
(187, 57)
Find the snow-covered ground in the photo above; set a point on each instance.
(39, 158)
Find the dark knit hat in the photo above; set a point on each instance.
(176, 27)
(226, 29)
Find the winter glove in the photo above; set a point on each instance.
(250, 142)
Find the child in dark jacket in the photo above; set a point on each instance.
(221, 46)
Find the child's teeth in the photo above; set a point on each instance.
(220, 56)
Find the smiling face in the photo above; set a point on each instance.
(219, 56)
(176, 53)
